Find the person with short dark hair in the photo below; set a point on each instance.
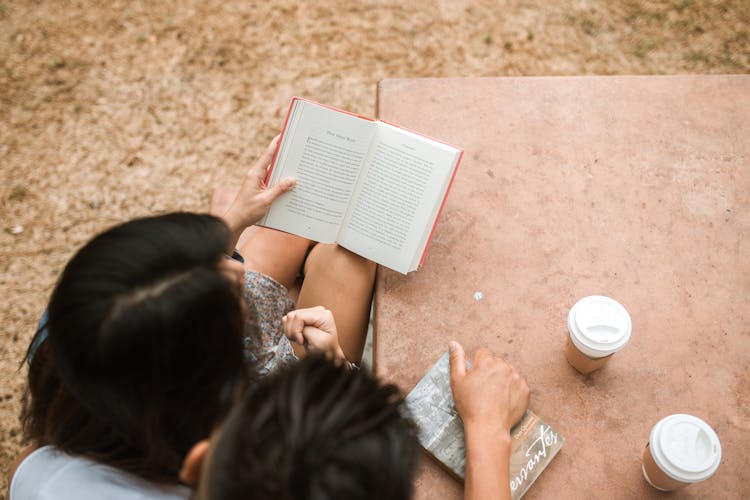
(318, 431)
(142, 350)
(314, 431)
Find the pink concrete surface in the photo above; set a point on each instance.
(633, 187)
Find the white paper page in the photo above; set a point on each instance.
(323, 149)
(398, 197)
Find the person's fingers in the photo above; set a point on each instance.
(317, 339)
(267, 156)
(520, 394)
(482, 357)
(268, 195)
(292, 330)
(521, 405)
(483, 353)
(274, 145)
(317, 316)
(294, 323)
(313, 334)
(457, 361)
(263, 163)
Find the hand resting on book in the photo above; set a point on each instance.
(490, 398)
(492, 392)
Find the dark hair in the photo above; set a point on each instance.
(144, 347)
(314, 431)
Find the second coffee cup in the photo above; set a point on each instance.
(681, 449)
(598, 327)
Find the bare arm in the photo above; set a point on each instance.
(490, 398)
(487, 466)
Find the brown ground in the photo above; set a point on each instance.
(111, 113)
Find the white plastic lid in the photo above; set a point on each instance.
(685, 448)
(599, 326)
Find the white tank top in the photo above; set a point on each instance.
(48, 474)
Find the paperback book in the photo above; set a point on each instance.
(534, 443)
(372, 187)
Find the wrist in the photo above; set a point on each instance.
(338, 354)
(236, 226)
(234, 220)
(487, 462)
(486, 430)
(352, 366)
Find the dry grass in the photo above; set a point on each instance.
(107, 113)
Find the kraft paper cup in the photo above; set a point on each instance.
(598, 327)
(681, 450)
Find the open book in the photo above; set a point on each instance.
(372, 187)
(441, 432)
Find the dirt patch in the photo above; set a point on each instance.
(107, 113)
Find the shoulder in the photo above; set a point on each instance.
(20, 458)
(48, 473)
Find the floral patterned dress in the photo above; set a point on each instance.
(265, 345)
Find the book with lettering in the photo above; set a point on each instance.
(372, 187)
(440, 431)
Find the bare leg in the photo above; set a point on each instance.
(342, 282)
(275, 254)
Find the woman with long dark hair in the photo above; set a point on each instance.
(141, 353)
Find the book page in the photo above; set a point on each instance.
(398, 197)
(324, 150)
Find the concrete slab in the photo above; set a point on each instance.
(633, 187)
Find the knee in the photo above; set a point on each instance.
(355, 260)
(337, 259)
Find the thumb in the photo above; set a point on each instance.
(281, 187)
(458, 361)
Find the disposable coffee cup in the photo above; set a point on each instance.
(681, 450)
(598, 327)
